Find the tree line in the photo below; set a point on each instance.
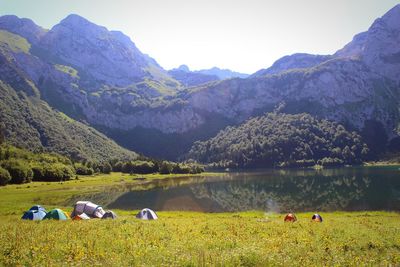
(19, 166)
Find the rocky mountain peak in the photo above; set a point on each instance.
(184, 68)
(392, 18)
(75, 20)
(109, 57)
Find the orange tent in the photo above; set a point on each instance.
(290, 217)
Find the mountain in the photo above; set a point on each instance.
(189, 78)
(223, 74)
(295, 61)
(28, 121)
(100, 77)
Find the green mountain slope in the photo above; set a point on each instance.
(30, 123)
(281, 140)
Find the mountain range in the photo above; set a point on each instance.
(98, 80)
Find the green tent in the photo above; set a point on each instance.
(56, 214)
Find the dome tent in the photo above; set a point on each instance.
(38, 208)
(290, 217)
(316, 218)
(56, 214)
(91, 209)
(147, 214)
(109, 215)
(34, 215)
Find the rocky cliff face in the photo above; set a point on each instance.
(379, 47)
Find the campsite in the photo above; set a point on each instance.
(185, 238)
(199, 133)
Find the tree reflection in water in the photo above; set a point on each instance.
(269, 190)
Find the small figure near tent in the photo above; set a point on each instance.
(316, 218)
(38, 208)
(147, 214)
(34, 215)
(109, 215)
(290, 217)
(81, 217)
(91, 209)
(56, 214)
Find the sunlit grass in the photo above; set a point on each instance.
(187, 238)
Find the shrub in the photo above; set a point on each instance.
(58, 172)
(118, 166)
(166, 167)
(139, 166)
(5, 177)
(181, 169)
(19, 170)
(106, 168)
(83, 170)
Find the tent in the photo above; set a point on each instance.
(147, 214)
(34, 215)
(290, 217)
(80, 217)
(56, 214)
(37, 208)
(109, 215)
(91, 209)
(316, 218)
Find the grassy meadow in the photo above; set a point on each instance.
(186, 238)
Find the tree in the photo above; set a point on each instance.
(19, 171)
(5, 177)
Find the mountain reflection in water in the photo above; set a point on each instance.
(361, 188)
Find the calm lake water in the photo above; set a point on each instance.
(344, 189)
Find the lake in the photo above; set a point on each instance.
(341, 189)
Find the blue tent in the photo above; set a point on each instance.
(38, 208)
(34, 215)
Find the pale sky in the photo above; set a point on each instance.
(242, 35)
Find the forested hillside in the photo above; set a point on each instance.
(30, 123)
(282, 140)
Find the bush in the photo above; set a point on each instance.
(181, 169)
(166, 167)
(139, 166)
(5, 176)
(118, 166)
(53, 172)
(106, 168)
(19, 170)
(195, 169)
(83, 170)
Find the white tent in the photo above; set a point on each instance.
(147, 214)
(91, 209)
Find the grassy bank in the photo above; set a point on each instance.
(188, 238)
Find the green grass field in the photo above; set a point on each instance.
(187, 238)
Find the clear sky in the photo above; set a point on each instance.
(242, 35)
